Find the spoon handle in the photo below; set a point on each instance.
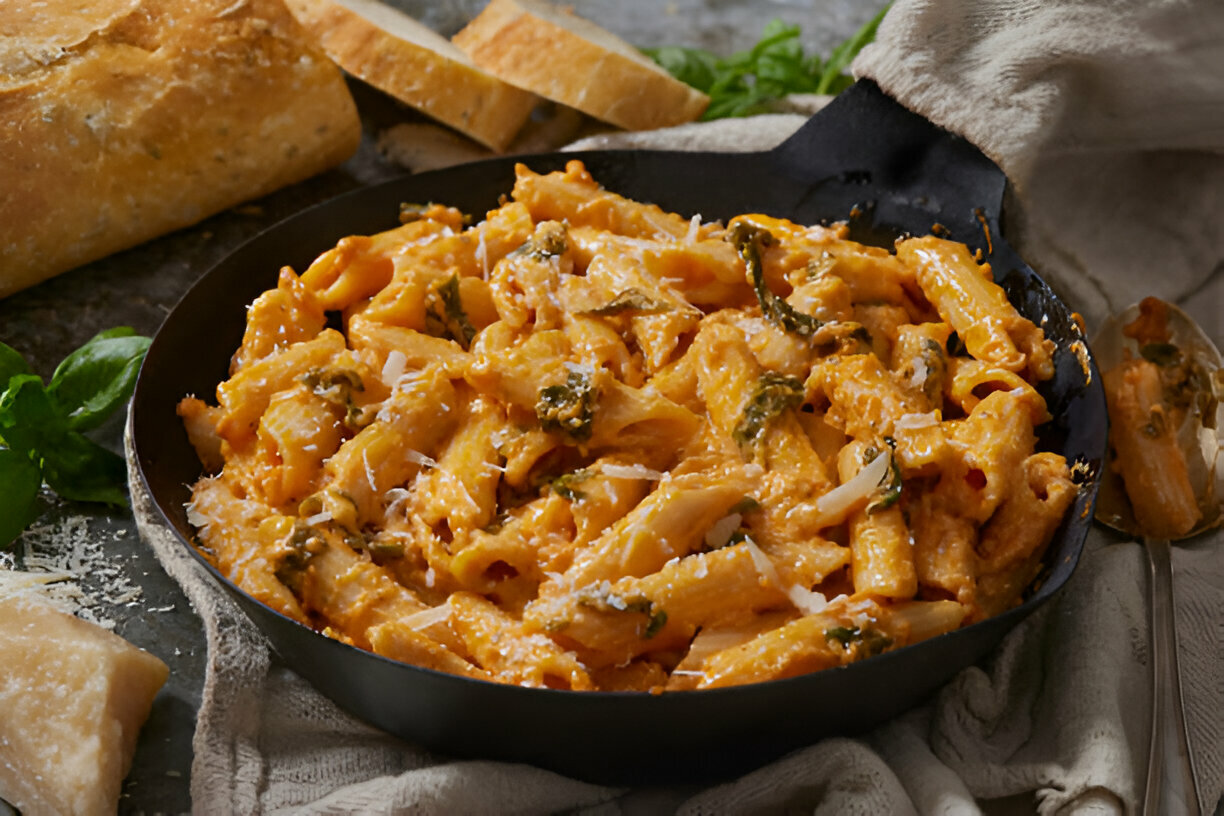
(1170, 778)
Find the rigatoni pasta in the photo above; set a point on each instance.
(586, 443)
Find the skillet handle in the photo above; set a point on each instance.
(866, 137)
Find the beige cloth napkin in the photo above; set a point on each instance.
(1109, 118)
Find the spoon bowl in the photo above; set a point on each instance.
(1192, 375)
(1197, 435)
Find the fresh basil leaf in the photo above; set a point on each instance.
(98, 377)
(691, 66)
(833, 79)
(20, 478)
(29, 419)
(11, 364)
(747, 82)
(81, 470)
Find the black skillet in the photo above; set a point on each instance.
(865, 158)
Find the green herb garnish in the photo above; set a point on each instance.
(563, 485)
(745, 505)
(1161, 354)
(871, 641)
(568, 407)
(337, 385)
(748, 241)
(889, 491)
(747, 82)
(444, 314)
(658, 619)
(631, 300)
(774, 393)
(548, 241)
(42, 426)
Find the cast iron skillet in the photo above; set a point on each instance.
(864, 154)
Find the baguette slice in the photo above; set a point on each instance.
(568, 59)
(73, 697)
(121, 120)
(398, 55)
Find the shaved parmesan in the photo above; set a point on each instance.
(319, 518)
(630, 472)
(369, 471)
(195, 518)
(720, 532)
(427, 617)
(396, 496)
(694, 225)
(907, 422)
(418, 458)
(805, 600)
(393, 368)
(764, 567)
(921, 372)
(834, 506)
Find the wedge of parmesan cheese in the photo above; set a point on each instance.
(73, 697)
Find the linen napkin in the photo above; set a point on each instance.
(1109, 119)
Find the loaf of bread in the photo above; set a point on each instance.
(73, 698)
(121, 120)
(403, 58)
(568, 59)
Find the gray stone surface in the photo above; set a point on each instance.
(139, 287)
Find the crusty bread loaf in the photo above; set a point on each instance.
(73, 698)
(573, 61)
(121, 120)
(398, 55)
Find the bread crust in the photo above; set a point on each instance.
(403, 58)
(550, 52)
(132, 118)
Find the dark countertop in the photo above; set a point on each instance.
(139, 287)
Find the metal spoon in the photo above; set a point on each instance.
(1171, 784)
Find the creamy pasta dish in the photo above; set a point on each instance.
(588, 444)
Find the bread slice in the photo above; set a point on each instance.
(400, 56)
(568, 59)
(73, 698)
(121, 120)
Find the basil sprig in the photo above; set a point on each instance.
(42, 426)
(747, 81)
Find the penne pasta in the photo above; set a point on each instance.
(588, 444)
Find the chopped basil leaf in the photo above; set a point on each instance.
(444, 314)
(748, 241)
(568, 407)
(631, 300)
(774, 393)
(563, 485)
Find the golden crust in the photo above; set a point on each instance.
(524, 42)
(150, 115)
(395, 54)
